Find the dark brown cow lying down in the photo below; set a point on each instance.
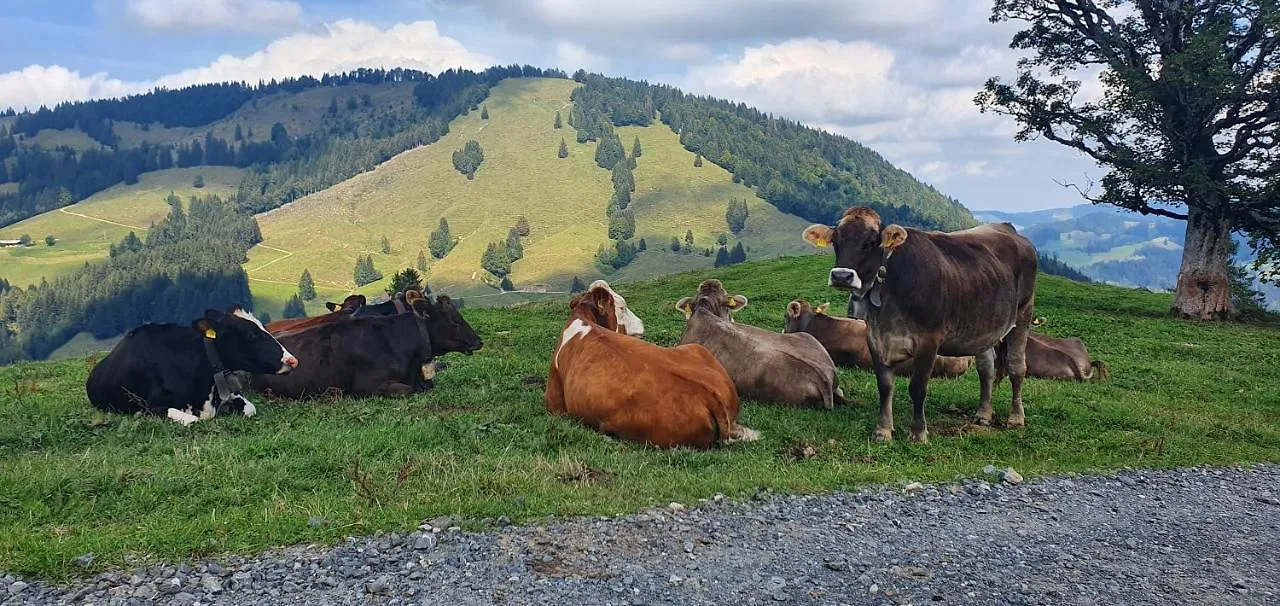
(638, 391)
(1064, 359)
(927, 293)
(846, 340)
(766, 366)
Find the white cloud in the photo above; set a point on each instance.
(188, 15)
(571, 57)
(339, 46)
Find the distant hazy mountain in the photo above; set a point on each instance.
(1112, 245)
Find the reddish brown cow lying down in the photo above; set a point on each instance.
(637, 391)
(846, 340)
(1064, 359)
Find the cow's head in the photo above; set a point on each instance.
(448, 329)
(348, 305)
(626, 322)
(243, 344)
(714, 299)
(861, 245)
(800, 313)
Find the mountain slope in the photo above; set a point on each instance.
(564, 201)
(86, 230)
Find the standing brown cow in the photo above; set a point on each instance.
(846, 340)
(925, 293)
(767, 366)
(637, 391)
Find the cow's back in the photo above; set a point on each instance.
(153, 367)
(789, 368)
(348, 356)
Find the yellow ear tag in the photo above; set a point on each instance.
(821, 242)
(209, 334)
(733, 302)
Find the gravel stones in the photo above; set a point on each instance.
(1199, 535)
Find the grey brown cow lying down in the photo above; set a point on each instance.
(845, 339)
(767, 366)
(927, 293)
(1065, 359)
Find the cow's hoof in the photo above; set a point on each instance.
(982, 421)
(882, 435)
(744, 434)
(1018, 421)
(921, 436)
(249, 409)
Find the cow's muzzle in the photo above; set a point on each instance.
(844, 279)
(287, 364)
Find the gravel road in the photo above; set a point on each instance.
(1189, 536)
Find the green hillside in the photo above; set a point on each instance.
(481, 446)
(563, 199)
(86, 231)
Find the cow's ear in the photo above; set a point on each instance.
(208, 325)
(685, 305)
(331, 306)
(422, 307)
(822, 309)
(818, 235)
(793, 309)
(575, 301)
(892, 237)
(603, 299)
(737, 303)
(412, 295)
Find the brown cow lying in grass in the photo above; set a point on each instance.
(846, 340)
(637, 391)
(1064, 359)
(766, 366)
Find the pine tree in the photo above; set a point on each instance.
(635, 147)
(577, 285)
(643, 245)
(738, 255)
(306, 286)
(609, 151)
(522, 226)
(675, 244)
(564, 150)
(623, 177)
(441, 241)
(622, 225)
(172, 198)
(239, 136)
(688, 238)
(469, 158)
(736, 215)
(365, 272)
(198, 182)
(484, 112)
(624, 254)
(333, 105)
(697, 161)
(570, 119)
(386, 246)
(496, 259)
(722, 257)
(50, 240)
(506, 284)
(294, 308)
(722, 239)
(352, 104)
(515, 250)
(422, 261)
(404, 280)
(558, 124)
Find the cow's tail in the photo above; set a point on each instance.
(716, 432)
(1101, 371)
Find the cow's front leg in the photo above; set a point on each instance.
(926, 354)
(884, 381)
(986, 362)
(1017, 368)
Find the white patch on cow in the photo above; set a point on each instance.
(626, 319)
(208, 411)
(178, 416)
(744, 434)
(854, 284)
(1006, 333)
(285, 356)
(577, 328)
(249, 408)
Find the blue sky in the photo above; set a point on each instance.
(897, 76)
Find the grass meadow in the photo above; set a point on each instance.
(134, 489)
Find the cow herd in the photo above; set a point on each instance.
(922, 304)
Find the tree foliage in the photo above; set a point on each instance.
(496, 259)
(736, 215)
(306, 286)
(365, 272)
(440, 242)
(522, 226)
(515, 250)
(1188, 126)
(422, 261)
(563, 152)
(738, 254)
(635, 148)
(404, 280)
(293, 308)
(484, 112)
(622, 225)
(577, 285)
(468, 159)
(558, 123)
(386, 246)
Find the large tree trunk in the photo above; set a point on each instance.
(1204, 288)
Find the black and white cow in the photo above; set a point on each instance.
(169, 369)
